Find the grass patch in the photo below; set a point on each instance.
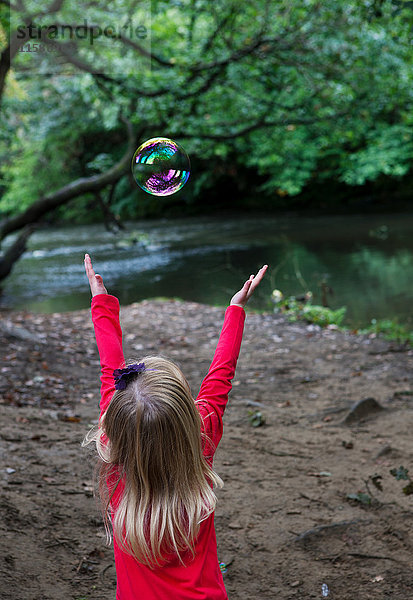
(298, 310)
(311, 313)
(391, 330)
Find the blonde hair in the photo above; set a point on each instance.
(150, 438)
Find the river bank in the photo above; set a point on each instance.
(285, 524)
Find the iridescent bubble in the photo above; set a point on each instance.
(160, 166)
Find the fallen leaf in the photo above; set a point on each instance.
(48, 479)
(70, 419)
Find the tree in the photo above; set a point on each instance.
(292, 91)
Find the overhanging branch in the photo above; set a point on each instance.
(83, 185)
(259, 124)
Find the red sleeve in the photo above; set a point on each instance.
(213, 395)
(105, 317)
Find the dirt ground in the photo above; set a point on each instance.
(286, 528)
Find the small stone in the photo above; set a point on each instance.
(362, 409)
(388, 451)
(235, 525)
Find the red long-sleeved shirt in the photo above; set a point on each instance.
(201, 578)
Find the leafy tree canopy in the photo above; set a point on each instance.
(267, 97)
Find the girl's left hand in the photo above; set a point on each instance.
(95, 281)
(245, 293)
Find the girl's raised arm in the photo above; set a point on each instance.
(105, 317)
(213, 395)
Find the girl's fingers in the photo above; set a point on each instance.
(261, 273)
(88, 266)
(95, 280)
(257, 280)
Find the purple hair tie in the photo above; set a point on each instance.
(123, 376)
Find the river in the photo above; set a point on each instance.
(364, 262)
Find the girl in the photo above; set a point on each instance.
(156, 447)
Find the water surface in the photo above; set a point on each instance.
(362, 262)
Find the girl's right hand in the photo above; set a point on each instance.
(95, 281)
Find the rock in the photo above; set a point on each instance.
(362, 409)
(387, 451)
(235, 525)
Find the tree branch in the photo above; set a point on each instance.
(111, 222)
(67, 50)
(234, 57)
(161, 61)
(259, 124)
(76, 188)
(220, 26)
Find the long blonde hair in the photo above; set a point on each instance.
(150, 439)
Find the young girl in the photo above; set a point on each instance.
(156, 447)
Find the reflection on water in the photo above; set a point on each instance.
(362, 262)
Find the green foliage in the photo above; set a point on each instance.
(267, 98)
(402, 474)
(367, 497)
(320, 315)
(390, 330)
(388, 150)
(312, 313)
(303, 310)
(256, 418)
(361, 497)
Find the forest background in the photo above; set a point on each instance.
(280, 105)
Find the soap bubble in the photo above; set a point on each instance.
(160, 166)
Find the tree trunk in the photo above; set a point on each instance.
(14, 252)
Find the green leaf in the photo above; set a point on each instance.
(408, 489)
(400, 474)
(361, 497)
(256, 418)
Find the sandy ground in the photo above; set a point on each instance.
(286, 528)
